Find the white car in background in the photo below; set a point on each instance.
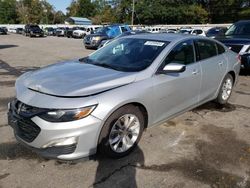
(192, 31)
(12, 30)
(154, 29)
(79, 33)
(91, 29)
(82, 32)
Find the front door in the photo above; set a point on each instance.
(175, 92)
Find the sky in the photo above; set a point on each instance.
(60, 4)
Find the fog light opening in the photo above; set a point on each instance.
(61, 142)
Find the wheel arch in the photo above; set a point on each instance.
(232, 73)
(141, 107)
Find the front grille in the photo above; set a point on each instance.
(20, 116)
(27, 130)
(88, 39)
(61, 150)
(235, 48)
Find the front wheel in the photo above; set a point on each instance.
(121, 132)
(225, 89)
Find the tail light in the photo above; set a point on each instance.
(239, 58)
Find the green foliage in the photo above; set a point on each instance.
(8, 12)
(245, 13)
(160, 12)
(120, 11)
(29, 11)
(81, 8)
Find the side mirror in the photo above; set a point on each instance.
(173, 68)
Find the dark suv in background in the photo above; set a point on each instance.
(104, 33)
(33, 30)
(237, 38)
(3, 31)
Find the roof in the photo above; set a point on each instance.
(168, 37)
(80, 19)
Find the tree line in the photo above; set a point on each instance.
(120, 11)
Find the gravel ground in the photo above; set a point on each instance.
(206, 147)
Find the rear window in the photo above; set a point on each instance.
(206, 49)
(220, 48)
(239, 29)
(198, 32)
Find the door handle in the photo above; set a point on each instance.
(221, 63)
(195, 72)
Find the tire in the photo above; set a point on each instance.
(225, 90)
(115, 139)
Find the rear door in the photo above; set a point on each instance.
(213, 67)
(175, 92)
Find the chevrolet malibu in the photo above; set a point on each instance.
(104, 101)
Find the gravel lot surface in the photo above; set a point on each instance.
(206, 147)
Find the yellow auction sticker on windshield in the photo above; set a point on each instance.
(154, 43)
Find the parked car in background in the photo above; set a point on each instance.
(12, 30)
(80, 32)
(192, 31)
(19, 30)
(69, 32)
(154, 29)
(61, 31)
(134, 32)
(171, 30)
(104, 33)
(50, 31)
(33, 30)
(92, 29)
(216, 32)
(237, 38)
(3, 31)
(115, 93)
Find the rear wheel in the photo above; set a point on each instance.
(225, 89)
(121, 132)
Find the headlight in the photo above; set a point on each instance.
(96, 38)
(67, 115)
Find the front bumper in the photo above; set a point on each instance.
(245, 61)
(92, 44)
(40, 135)
(36, 34)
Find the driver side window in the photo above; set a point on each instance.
(183, 54)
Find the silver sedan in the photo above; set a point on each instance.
(103, 102)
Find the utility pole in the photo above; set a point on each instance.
(133, 13)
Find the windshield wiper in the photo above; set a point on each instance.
(105, 65)
(88, 61)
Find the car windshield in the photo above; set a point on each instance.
(127, 54)
(185, 31)
(239, 29)
(35, 27)
(102, 30)
(213, 31)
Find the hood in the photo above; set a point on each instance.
(36, 29)
(75, 79)
(235, 39)
(78, 31)
(97, 35)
